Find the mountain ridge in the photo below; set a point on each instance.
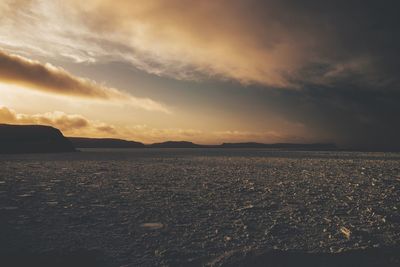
(119, 143)
(86, 142)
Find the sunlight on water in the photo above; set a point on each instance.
(174, 206)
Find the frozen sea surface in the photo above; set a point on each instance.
(187, 207)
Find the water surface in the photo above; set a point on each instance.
(197, 206)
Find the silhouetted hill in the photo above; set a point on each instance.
(317, 146)
(32, 139)
(185, 144)
(176, 144)
(82, 142)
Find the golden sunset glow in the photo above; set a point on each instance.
(208, 71)
(199, 133)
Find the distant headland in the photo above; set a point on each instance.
(84, 142)
(32, 139)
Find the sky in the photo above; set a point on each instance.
(207, 71)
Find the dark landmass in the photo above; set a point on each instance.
(82, 142)
(46, 139)
(316, 146)
(32, 139)
(176, 144)
(185, 144)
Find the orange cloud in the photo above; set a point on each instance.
(48, 78)
(70, 124)
(78, 125)
(191, 40)
(269, 42)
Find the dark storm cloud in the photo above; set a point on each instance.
(352, 117)
(356, 41)
(361, 107)
(354, 102)
(364, 31)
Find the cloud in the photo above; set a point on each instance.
(69, 124)
(64, 122)
(48, 78)
(351, 116)
(272, 43)
(78, 125)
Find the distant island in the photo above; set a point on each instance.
(314, 146)
(175, 144)
(32, 139)
(119, 143)
(83, 142)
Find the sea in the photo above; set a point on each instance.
(198, 207)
